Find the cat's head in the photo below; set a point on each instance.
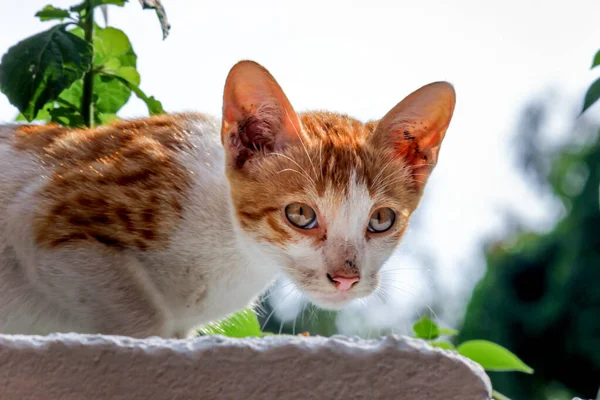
(328, 197)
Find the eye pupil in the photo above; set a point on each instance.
(301, 215)
(381, 220)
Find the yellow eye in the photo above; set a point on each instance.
(301, 215)
(381, 220)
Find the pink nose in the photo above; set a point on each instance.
(344, 283)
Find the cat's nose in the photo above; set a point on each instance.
(343, 283)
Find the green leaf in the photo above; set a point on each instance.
(42, 116)
(119, 3)
(425, 328)
(113, 43)
(448, 332)
(592, 95)
(36, 70)
(95, 3)
(130, 74)
(73, 94)
(498, 396)
(239, 325)
(110, 94)
(110, 43)
(492, 357)
(596, 61)
(154, 106)
(443, 344)
(49, 13)
(112, 64)
(67, 116)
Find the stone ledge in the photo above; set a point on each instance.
(70, 366)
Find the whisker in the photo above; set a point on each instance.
(404, 269)
(296, 163)
(293, 170)
(272, 292)
(400, 289)
(321, 159)
(302, 142)
(280, 327)
(404, 283)
(433, 313)
(294, 326)
(273, 311)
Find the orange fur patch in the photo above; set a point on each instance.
(120, 185)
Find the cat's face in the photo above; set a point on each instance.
(325, 195)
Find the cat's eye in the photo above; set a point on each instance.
(301, 215)
(381, 220)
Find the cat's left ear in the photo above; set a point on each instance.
(257, 116)
(416, 126)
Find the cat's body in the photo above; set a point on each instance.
(43, 289)
(152, 227)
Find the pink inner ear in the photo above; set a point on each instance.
(416, 127)
(415, 147)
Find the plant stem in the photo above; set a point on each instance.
(87, 99)
(498, 396)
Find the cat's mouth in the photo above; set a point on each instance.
(332, 301)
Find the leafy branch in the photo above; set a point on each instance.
(75, 73)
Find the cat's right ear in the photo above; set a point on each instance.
(257, 116)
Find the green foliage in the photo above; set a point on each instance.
(492, 357)
(49, 13)
(426, 329)
(443, 344)
(95, 3)
(596, 60)
(44, 75)
(36, 70)
(592, 95)
(239, 325)
(498, 396)
(593, 92)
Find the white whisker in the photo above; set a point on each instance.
(296, 163)
(302, 142)
(273, 311)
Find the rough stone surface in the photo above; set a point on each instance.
(70, 366)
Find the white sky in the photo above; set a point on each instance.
(361, 58)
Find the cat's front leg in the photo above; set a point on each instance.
(131, 305)
(102, 290)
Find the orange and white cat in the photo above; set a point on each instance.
(155, 226)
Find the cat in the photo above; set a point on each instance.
(154, 226)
